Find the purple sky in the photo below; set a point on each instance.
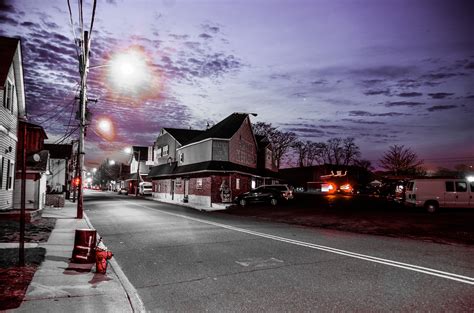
(384, 72)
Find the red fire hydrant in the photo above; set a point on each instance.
(102, 254)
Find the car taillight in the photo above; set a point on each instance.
(346, 188)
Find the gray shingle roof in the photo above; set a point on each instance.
(183, 136)
(8, 48)
(169, 170)
(225, 129)
(57, 151)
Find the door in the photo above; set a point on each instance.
(462, 194)
(172, 190)
(450, 194)
(186, 188)
(471, 195)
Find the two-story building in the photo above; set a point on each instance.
(60, 168)
(37, 166)
(141, 159)
(12, 108)
(211, 166)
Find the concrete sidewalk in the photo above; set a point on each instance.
(62, 286)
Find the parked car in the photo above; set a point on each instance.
(145, 188)
(286, 191)
(436, 193)
(260, 194)
(122, 191)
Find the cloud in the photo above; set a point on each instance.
(440, 95)
(359, 121)
(385, 92)
(319, 82)
(403, 103)
(386, 71)
(441, 107)
(365, 113)
(439, 76)
(410, 94)
(469, 66)
(205, 36)
(372, 82)
(211, 28)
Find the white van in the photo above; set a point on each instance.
(145, 188)
(436, 193)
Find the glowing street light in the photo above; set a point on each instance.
(112, 162)
(130, 71)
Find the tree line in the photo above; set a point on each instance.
(397, 160)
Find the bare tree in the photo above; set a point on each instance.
(350, 151)
(281, 141)
(315, 153)
(365, 164)
(400, 160)
(339, 151)
(301, 149)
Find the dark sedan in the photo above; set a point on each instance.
(260, 194)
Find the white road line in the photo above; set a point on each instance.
(407, 266)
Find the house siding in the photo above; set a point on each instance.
(8, 134)
(161, 141)
(196, 153)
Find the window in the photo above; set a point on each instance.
(1, 171)
(199, 183)
(10, 175)
(165, 150)
(450, 186)
(237, 183)
(181, 157)
(159, 152)
(461, 186)
(8, 97)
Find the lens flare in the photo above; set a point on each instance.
(132, 76)
(105, 128)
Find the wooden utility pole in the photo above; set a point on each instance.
(84, 64)
(21, 256)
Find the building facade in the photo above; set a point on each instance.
(12, 108)
(212, 166)
(140, 162)
(60, 164)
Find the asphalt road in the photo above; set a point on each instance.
(182, 260)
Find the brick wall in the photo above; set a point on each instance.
(242, 146)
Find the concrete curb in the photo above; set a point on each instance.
(132, 294)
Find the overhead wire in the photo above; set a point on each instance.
(71, 21)
(66, 136)
(93, 17)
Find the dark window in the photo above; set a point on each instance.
(8, 175)
(450, 186)
(472, 186)
(461, 186)
(1, 171)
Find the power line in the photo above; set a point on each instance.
(92, 20)
(72, 28)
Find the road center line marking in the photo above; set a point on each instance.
(407, 266)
